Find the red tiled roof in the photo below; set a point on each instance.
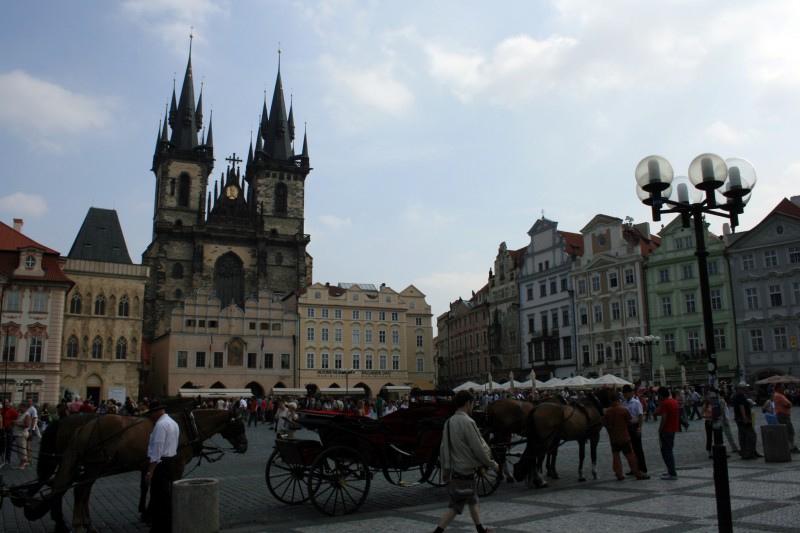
(573, 243)
(11, 240)
(518, 257)
(787, 207)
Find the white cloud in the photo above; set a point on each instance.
(720, 131)
(335, 223)
(418, 213)
(364, 89)
(43, 113)
(172, 20)
(23, 205)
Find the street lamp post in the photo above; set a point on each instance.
(639, 343)
(727, 186)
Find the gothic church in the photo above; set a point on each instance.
(241, 237)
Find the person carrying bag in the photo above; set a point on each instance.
(462, 451)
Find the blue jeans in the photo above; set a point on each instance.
(667, 441)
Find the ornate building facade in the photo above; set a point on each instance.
(33, 286)
(222, 245)
(101, 351)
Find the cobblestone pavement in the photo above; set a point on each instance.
(765, 497)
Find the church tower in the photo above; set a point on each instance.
(245, 234)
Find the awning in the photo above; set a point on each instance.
(396, 388)
(341, 390)
(216, 393)
(288, 391)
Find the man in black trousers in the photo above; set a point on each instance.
(634, 407)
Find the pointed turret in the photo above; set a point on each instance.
(250, 152)
(173, 107)
(164, 131)
(184, 131)
(304, 154)
(291, 122)
(263, 129)
(198, 115)
(210, 137)
(278, 143)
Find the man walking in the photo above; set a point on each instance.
(164, 467)
(461, 452)
(743, 415)
(668, 426)
(634, 407)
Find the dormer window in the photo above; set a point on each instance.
(30, 262)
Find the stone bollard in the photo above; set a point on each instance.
(195, 506)
(775, 440)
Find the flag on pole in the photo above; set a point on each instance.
(211, 343)
(262, 343)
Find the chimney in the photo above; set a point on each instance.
(796, 200)
(18, 225)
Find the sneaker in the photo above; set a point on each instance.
(668, 477)
(795, 449)
(757, 455)
(643, 476)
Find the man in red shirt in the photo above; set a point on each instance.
(783, 410)
(9, 417)
(669, 424)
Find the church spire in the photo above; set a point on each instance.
(185, 127)
(278, 143)
(210, 136)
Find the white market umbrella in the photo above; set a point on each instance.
(553, 383)
(663, 374)
(577, 381)
(611, 380)
(468, 385)
(683, 375)
(528, 384)
(511, 385)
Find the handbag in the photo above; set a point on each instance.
(460, 486)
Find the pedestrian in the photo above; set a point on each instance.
(668, 426)
(10, 415)
(783, 410)
(462, 451)
(743, 415)
(680, 399)
(282, 416)
(634, 407)
(725, 420)
(164, 468)
(696, 402)
(21, 430)
(33, 430)
(617, 420)
(707, 415)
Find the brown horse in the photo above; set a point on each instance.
(112, 444)
(550, 424)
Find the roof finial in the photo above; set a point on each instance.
(542, 214)
(191, 37)
(279, 56)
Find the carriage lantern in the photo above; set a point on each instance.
(721, 188)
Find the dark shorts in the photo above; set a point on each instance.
(457, 502)
(624, 448)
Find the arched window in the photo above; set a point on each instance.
(178, 294)
(177, 271)
(72, 346)
(124, 308)
(75, 304)
(122, 348)
(97, 348)
(281, 198)
(229, 280)
(183, 191)
(100, 306)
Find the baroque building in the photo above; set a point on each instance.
(676, 312)
(33, 286)
(609, 296)
(222, 245)
(358, 335)
(504, 333)
(101, 350)
(547, 306)
(765, 279)
(463, 341)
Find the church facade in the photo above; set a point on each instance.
(230, 239)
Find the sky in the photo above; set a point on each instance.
(436, 130)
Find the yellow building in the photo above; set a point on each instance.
(225, 348)
(357, 335)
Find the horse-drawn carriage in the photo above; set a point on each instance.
(336, 471)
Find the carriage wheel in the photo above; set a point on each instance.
(488, 480)
(338, 481)
(435, 476)
(287, 482)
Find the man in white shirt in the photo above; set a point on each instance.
(634, 406)
(164, 467)
(33, 429)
